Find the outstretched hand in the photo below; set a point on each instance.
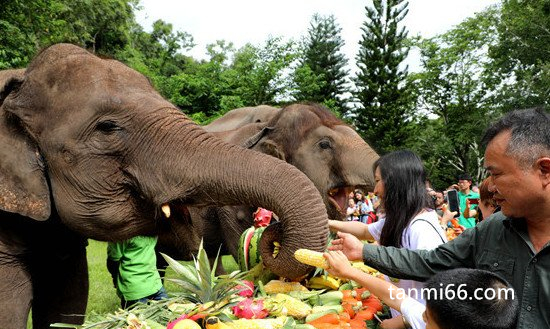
(349, 245)
(339, 264)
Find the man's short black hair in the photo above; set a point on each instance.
(530, 136)
(481, 300)
(465, 176)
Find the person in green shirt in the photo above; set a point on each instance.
(465, 193)
(515, 242)
(132, 264)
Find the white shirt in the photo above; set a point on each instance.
(419, 234)
(412, 312)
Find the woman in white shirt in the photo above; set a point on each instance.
(409, 221)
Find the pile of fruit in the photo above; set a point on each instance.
(231, 301)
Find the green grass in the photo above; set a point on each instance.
(102, 296)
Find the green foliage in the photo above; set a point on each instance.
(384, 99)
(520, 58)
(453, 87)
(321, 75)
(102, 26)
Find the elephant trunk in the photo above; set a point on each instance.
(224, 174)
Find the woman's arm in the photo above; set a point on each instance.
(358, 229)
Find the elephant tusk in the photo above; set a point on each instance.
(166, 210)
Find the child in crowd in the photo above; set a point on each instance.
(457, 298)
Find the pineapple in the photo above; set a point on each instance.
(201, 285)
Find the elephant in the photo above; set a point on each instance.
(89, 149)
(309, 137)
(6, 75)
(242, 116)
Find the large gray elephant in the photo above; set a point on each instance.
(307, 136)
(88, 149)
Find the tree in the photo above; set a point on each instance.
(321, 75)
(260, 71)
(521, 56)
(101, 26)
(455, 89)
(381, 90)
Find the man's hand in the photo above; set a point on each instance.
(349, 245)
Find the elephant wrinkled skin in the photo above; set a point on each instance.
(308, 136)
(88, 149)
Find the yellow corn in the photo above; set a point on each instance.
(324, 282)
(294, 307)
(278, 286)
(256, 323)
(311, 257)
(215, 323)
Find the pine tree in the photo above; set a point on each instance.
(321, 74)
(381, 90)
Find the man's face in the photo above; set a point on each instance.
(517, 190)
(464, 185)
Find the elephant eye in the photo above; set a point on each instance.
(107, 126)
(325, 144)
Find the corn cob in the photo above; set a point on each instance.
(278, 286)
(324, 282)
(294, 307)
(256, 323)
(310, 257)
(331, 298)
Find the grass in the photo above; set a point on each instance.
(102, 296)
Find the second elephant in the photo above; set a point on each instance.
(308, 136)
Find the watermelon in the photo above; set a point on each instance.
(249, 248)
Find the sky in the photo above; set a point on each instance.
(253, 21)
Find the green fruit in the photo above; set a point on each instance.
(249, 251)
(254, 254)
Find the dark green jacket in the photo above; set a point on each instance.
(498, 244)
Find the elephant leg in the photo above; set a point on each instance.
(15, 294)
(60, 289)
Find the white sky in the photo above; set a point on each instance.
(253, 21)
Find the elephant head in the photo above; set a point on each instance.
(92, 139)
(314, 140)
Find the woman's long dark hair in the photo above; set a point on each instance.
(405, 193)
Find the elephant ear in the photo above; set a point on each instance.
(262, 143)
(23, 186)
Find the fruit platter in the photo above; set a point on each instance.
(250, 297)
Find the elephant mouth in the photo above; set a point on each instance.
(339, 196)
(174, 210)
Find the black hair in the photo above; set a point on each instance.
(471, 298)
(405, 194)
(530, 136)
(465, 176)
